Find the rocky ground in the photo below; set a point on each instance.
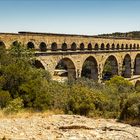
(65, 127)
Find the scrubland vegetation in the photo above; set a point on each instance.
(24, 87)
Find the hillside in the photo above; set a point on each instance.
(133, 35)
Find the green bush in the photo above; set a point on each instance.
(131, 108)
(4, 98)
(14, 106)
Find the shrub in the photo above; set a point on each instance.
(131, 108)
(4, 98)
(81, 100)
(14, 106)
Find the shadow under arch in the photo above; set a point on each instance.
(90, 68)
(67, 66)
(2, 45)
(126, 67)
(38, 64)
(110, 68)
(137, 65)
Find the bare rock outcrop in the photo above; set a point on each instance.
(66, 127)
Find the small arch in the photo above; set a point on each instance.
(38, 64)
(82, 46)
(122, 46)
(54, 46)
(130, 46)
(108, 46)
(118, 47)
(126, 68)
(43, 46)
(110, 68)
(113, 46)
(89, 46)
(102, 46)
(15, 43)
(126, 46)
(73, 46)
(137, 46)
(64, 47)
(30, 45)
(96, 47)
(134, 46)
(90, 68)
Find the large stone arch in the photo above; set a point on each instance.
(137, 65)
(110, 67)
(68, 65)
(90, 68)
(126, 67)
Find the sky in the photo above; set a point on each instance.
(89, 17)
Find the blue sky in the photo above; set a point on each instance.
(70, 16)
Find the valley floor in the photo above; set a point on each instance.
(65, 127)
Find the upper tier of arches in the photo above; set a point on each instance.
(80, 46)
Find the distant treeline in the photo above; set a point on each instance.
(133, 34)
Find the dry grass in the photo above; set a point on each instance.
(29, 113)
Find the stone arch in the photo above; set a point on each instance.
(15, 43)
(137, 65)
(2, 45)
(64, 47)
(113, 46)
(122, 46)
(126, 67)
(107, 46)
(82, 46)
(73, 46)
(130, 46)
(30, 45)
(66, 65)
(96, 46)
(126, 46)
(102, 46)
(118, 47)
(43, 46)
(54, 46)
(89, 46)
(134, 46)
(38, 64)
(137, 46)
(110, 68)
(90, 68)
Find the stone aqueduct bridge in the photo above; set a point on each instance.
(74, 50)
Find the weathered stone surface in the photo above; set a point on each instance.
(66, 127)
